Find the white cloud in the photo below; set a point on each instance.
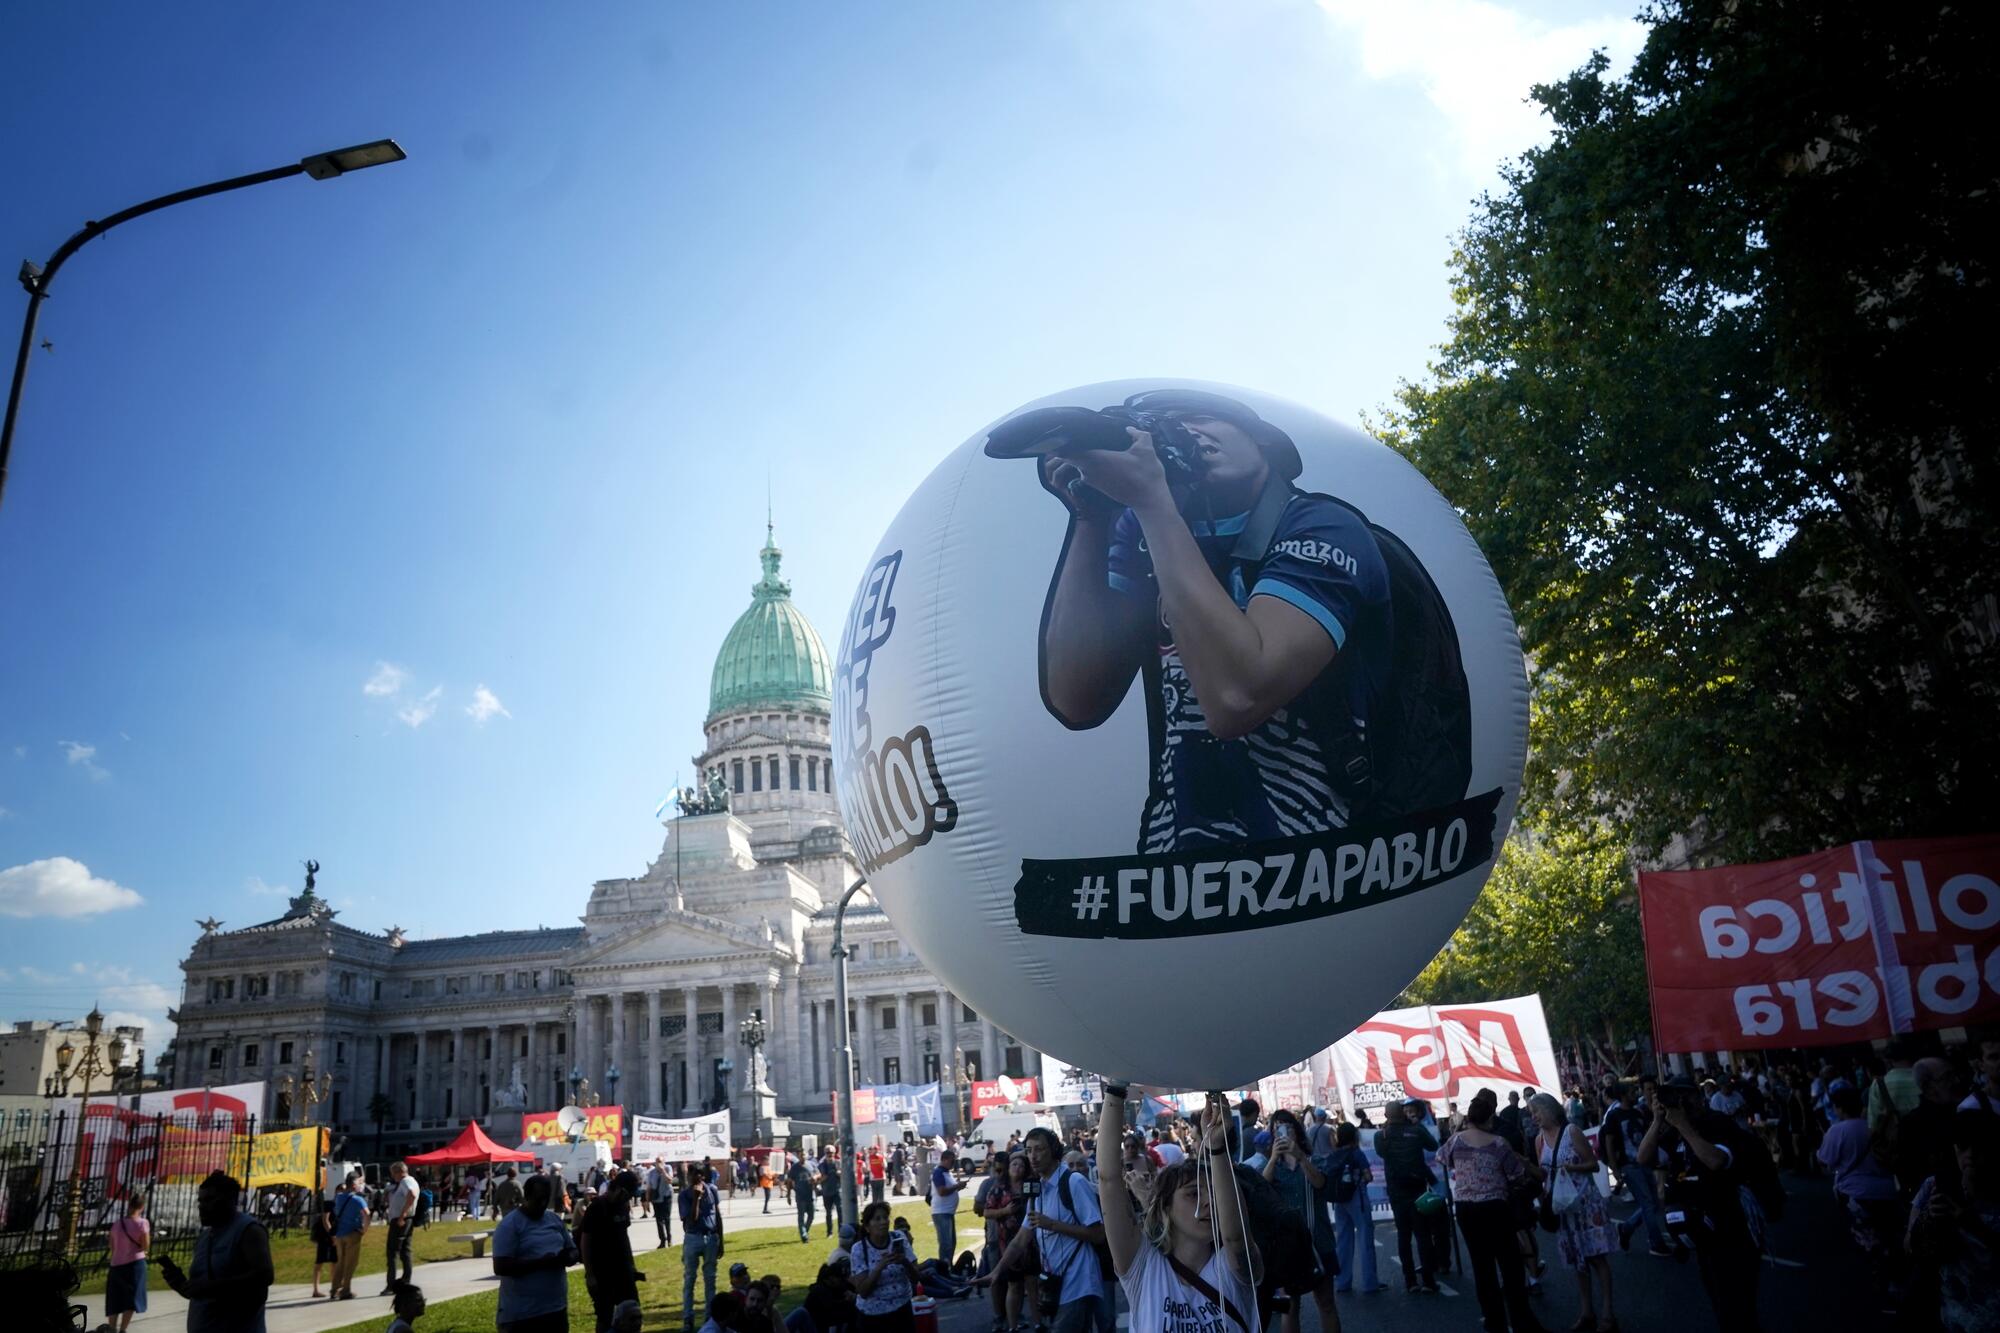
(20, 752)
(121, 985)
(420, 712)
(60, 887)
(259, 889)
(5, 813)
(84, 757)
(485, 704)
(387, 679)
(1475, 60)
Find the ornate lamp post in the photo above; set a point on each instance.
(610, 1084)
(960, 1082)
(580, 1091)
(306, 1089)
(751, 1032)
(70, 1066)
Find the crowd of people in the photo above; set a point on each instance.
(1226, 1223)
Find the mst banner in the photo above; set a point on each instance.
(1849, 944)
(655, 1140)
(1445, 1052)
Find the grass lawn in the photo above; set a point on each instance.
(766, 1250)
(292, 1255)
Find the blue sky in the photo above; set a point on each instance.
(502, 417)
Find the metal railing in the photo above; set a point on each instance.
(58, 1204)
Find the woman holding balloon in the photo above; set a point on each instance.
(1187, 1249)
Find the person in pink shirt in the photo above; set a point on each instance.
(125, 1287)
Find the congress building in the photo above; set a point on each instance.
(646, 998)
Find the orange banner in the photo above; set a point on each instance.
(606, 1124)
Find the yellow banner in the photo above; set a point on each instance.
(288, 1157)
(188, 1155)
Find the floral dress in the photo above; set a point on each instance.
(1587, 1229)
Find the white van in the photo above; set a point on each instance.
(996, 1127)
(574, 1159)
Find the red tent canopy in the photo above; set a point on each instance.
(470, 1146)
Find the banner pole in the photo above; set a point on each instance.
(1646, 959)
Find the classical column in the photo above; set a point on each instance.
(460, 1062)
(793, 1071)
(948, 1022)
(619, 1054)
(498, 1065)
(691, 1036)
(871, 1072)
(989, 1049)
(774, 1037)
(1031, 1063)
(906, 1039)
(592, 1064)
(729, 1048)
(656, 1091)
(531, 1069)
(422, 1075)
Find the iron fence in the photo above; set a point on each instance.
(66, 1181)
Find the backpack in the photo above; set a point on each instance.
(1424, 724)
(1759, 1174)
(1105, 1269)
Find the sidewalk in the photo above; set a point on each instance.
(292, 1309)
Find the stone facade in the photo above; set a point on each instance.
(645, 999)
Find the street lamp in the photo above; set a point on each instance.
(611, 1083)
(36, 278)
(306, 1088)
(580, 1091)
(751, 1032)
(845, 1082)
(91, 1064)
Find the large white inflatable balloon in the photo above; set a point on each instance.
(1177, 727)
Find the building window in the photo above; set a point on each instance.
(892, 1069)
(521, 981)
(794, 762)
(215, 1057)
(968, 1015)
(931, 1068)
(1015, 1066)
(256, 987)
(812, 775)
(930, 1015)
(562, 1043)
(347, 983)
(378, 990)
(889, 1022)
(284, 1052)
(558, 977)
(250, 1055)
(756, 775)
(340, 1052)
(771, 767)
(223, 989)
(736, 765)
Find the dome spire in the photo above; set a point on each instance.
(770, 586)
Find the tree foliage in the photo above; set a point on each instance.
(1717, 400)
(1558, 917)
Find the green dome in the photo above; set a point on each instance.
(772, 657)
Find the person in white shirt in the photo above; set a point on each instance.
(400, 1210)
(1177, 1278)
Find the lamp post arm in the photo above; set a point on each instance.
(37, 280)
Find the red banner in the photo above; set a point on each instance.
(987, 1095)
(1849, 944)
(606, 1124)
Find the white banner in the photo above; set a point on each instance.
(212, 1108)
(680, 1140)
(1066, 1085)
(1443, 1053)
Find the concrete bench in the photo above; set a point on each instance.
(478, 1239)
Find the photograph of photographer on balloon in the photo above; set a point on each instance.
(1301, 671)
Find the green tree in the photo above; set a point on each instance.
(1557, 916)
(1718, 400)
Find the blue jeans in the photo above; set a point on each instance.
(1085, 1314)
(1353, 1221)
(698, 1249)
(1646, 1210)
(947, 1234)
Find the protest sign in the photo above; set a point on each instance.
(1854, 943)
(1445, 1052)
(680, 1140)
(287, 1157)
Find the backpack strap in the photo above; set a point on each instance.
(1206, 1288)
(1261, 527)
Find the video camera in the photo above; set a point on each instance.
(1064, 431)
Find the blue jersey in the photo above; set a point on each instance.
(1283, 779)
